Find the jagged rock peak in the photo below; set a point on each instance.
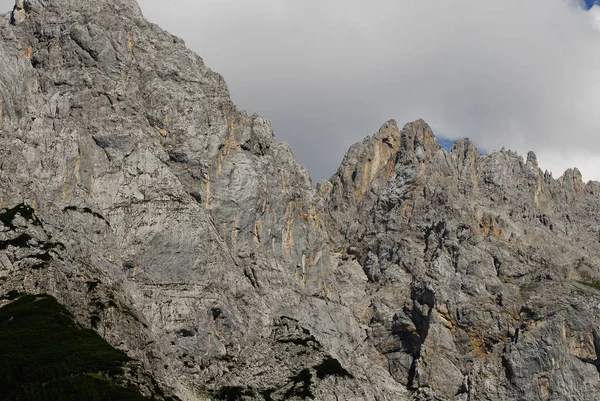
(464, 145)
(532, 159)
(573, 179)
(418, 137)
(18, 14)
(466, 150)
(389, 124)
(373, 161)
(468, 157)
(449, 231)
(366, 161)
(388, 134)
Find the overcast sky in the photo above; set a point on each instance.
(523, 74)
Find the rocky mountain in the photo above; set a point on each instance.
(175, 226)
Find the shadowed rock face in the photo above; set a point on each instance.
(172, 223)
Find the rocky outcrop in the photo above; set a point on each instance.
(475, 264)
(188, 234)
(172, 223)
(19, 13)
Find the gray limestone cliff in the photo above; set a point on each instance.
(483, 278)
(136, 193)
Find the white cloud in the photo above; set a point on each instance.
(6, 5)
(522, 74)
(595, 15)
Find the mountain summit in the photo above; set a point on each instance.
(175, 226)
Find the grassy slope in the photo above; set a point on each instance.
(44, 355)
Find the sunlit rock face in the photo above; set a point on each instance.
(172, 223)
(482, 277)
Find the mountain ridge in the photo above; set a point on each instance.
(174, 225)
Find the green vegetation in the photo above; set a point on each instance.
(45, 356)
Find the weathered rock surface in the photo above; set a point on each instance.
(174, 224)
(136, 193)
(483, 283)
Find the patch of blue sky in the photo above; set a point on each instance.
(447, 144)
(590, 3)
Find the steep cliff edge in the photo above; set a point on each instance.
(174, 225)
